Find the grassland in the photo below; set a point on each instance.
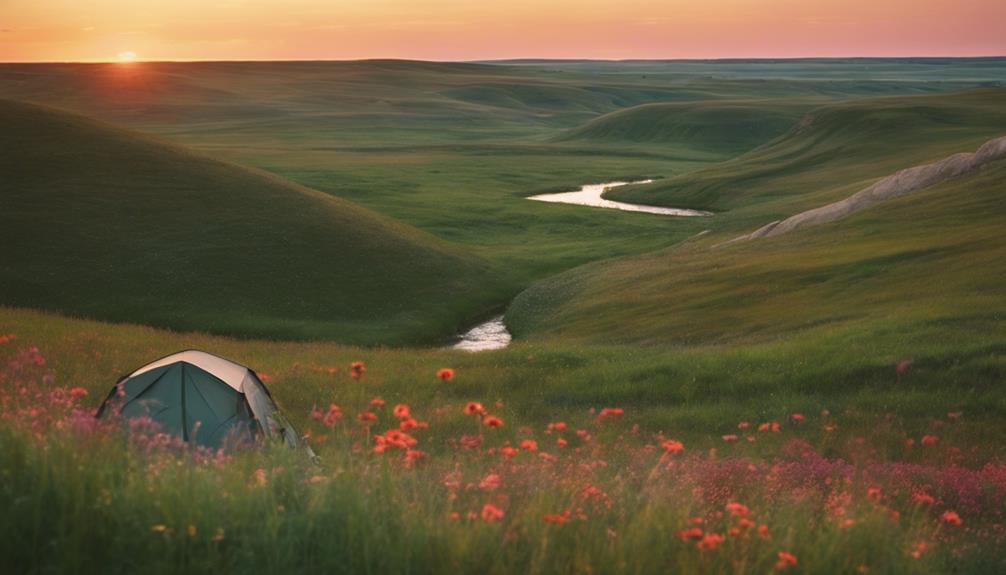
(875, 343)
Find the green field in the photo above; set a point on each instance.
(299, 216)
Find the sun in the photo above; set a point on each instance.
(126, 57)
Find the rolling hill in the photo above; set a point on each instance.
(831, 151)
(727, 128)
(107, 223)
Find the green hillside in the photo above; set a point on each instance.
(106, 223)
(918, 276)
(832, 148)
(724, 127)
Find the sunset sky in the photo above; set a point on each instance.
(79, 30)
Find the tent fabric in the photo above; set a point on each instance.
(202, 398)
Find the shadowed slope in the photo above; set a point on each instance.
(107, 223)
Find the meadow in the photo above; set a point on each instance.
(824, 401)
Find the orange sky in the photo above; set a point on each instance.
(47, 30)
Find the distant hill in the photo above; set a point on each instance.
(724, 127)
(107, 223)
(841, 144)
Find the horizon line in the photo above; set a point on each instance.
(502, 60)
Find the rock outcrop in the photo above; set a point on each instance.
(898, 184)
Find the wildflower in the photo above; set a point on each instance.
(610, 412)
(930, 440)
(78, 392)
(491, 513)
(923, 498)
(470, 441)
(507, 451)
(529, 445)
(846, 523)
(356, 370)
(367, 417)
(955, 414)
(918, 549)
(710, 542)
(737, 509)
(490, 482)
(786, 560)
(159, 528)
(259, 477)
(413, 455)
(445, 374)
(730, 437)
(557, 518)
(873, 493)
(401, 411)
(561, 442)
(691, 534)
(265, 377)
(376, 402)
(672, 446)
(743, 425)
(951, 518)
(218, 536)
(407, 424)
(7, 338)
(557, 426)
(454, 516)
(763, 532)
(797, 417)
(333, 415)
(583, 434)
(492, 421)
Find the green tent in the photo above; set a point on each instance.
(202, 398)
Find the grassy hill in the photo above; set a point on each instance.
(831, 151)
(725, 127)
(107, 223)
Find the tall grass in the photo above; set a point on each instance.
(595, 494)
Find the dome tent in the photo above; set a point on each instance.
(202, 398)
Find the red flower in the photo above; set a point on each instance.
(356, 369)
(401, 411)
(951, 518)
(557, 518)
(610, 412)
(507, 451)
(730, 437)
(493, 421)
(930, 440)
(923, 498)
(490, 482)
(377, 402)
(367, 416)
(710, 542)
(786, 559)
(672, 446)
(491, 513)
(407, 424)
(691, 534)
(529, 445)
(737, 509)
(474, 408)
(78, 392)
(445, 374)
(797, 417)
(333, 415)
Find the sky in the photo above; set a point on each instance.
(103, 30)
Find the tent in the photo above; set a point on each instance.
(202, 398)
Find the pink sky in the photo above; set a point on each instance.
(49, 30)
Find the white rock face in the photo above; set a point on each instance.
(897, 184)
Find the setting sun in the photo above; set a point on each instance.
(126, 57)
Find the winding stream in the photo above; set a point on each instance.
(493, 334)
(590, 195)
